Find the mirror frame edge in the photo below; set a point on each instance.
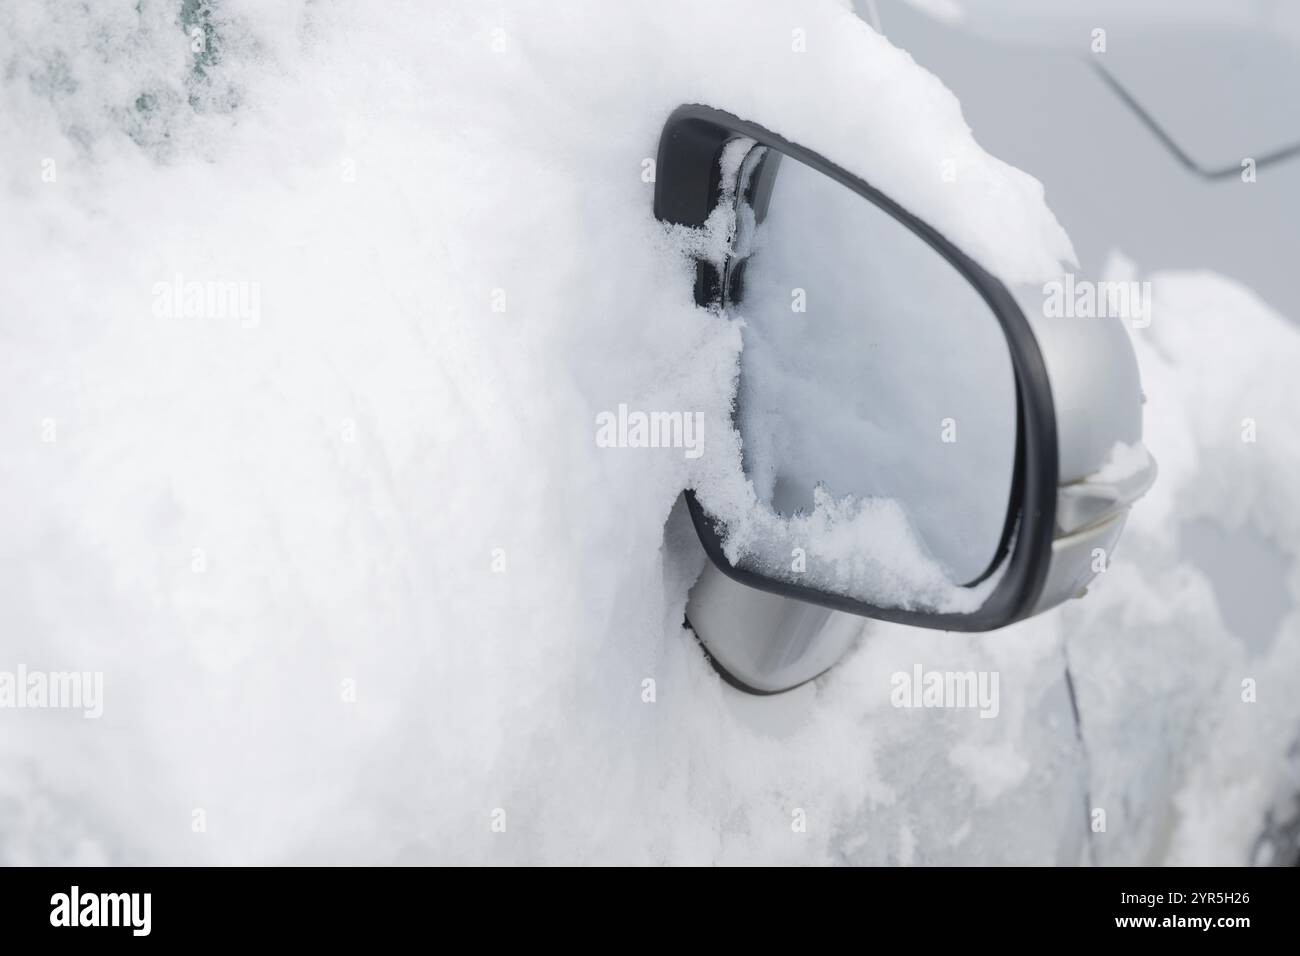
(688, 187)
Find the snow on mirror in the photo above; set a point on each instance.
(877, 400)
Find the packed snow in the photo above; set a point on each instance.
(309, 314)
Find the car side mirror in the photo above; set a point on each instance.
(899, 433)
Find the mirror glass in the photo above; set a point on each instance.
(873, 376)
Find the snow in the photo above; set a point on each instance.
(1126, 459)
(363, 586)
(1158, 661)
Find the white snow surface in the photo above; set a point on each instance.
(359, 580)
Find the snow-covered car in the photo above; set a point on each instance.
(359, 383)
